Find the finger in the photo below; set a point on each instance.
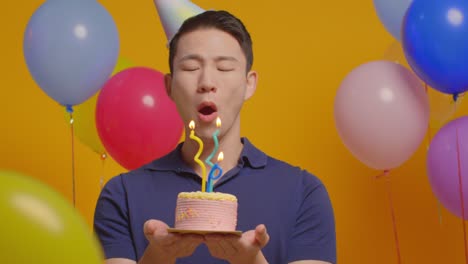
(187, 245)
(168, 240)
(156, 230)
(161, 227)
(261, 235)
(213, 246)
(153, 225)
(149, 228)
(227, 245)
(195, 239)
(215, 236)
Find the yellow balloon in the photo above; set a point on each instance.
(84, 120)
(442, 106)
(39, 226)
(182, 136)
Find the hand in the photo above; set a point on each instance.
(165, 247)
(245, 249)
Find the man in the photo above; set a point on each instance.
(210, 61)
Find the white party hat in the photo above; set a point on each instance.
(173, 13)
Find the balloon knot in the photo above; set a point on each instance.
(384, 174)
(69, 109)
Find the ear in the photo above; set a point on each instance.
(251, 84)
(167, 84)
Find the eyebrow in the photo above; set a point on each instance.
(199, 58)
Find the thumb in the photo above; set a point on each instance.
(154, 227)
(261, 235)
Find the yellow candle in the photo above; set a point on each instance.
(197, 156)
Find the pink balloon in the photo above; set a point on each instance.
(136, 120)
(382, 114)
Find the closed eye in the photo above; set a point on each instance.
(225, 69)
(190, 69)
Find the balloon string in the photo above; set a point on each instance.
(392, 211)
(429, 136)
(102, 179)
(460, 187)
(70, 110)
(456, 101)
(384, 173)
(429, 139)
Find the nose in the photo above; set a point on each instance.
(206, 82)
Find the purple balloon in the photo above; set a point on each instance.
(447, 145)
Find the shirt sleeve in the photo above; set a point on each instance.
(111, 221)
(314, 236)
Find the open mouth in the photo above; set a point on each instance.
(207, 111)
(207, 108)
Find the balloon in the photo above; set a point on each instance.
(442, 165)
(435, 37)
(391, 13)
(136, 120)
(442, 106)
(39, 226)
(71, 48)
(381, 114)
(84, 116)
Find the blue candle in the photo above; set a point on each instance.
(216, 169)
(212, 177)
(216, 143)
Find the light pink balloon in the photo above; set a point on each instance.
(382, 114)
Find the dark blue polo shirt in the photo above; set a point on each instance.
(292, 203)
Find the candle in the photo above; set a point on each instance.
(216, 144)
(215, 169)
(197, 156)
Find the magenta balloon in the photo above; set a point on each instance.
(381, 114)
(136, 120)
(442, 165)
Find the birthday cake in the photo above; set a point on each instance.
(206, 211)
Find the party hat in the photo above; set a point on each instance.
(173, 13)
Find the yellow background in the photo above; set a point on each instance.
(303, 49)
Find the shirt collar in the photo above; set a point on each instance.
(250, 156)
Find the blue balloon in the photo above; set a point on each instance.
(435, 42)
(391, 14)
(71, 48)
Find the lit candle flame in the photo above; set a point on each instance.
(192, 125)
(218, 122)
(220, 156)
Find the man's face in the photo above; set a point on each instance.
(209, 79)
